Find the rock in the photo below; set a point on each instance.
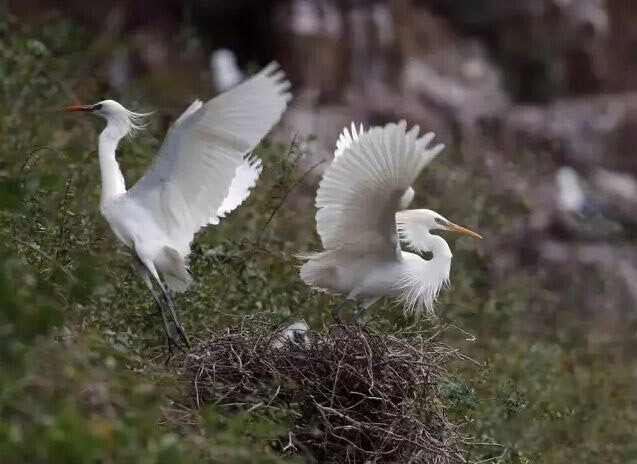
(584, 132)
(546, 48)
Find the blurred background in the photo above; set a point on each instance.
(536, 101)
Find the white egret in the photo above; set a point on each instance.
(225, 72)
(361, 219)
(203, 170)
(570, 194)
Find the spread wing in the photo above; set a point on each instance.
(343, 143)
(364, 186)
(244, 179)
(346, 139)
(202, 170)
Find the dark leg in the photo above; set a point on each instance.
(172, 334)
(173, 315)
(336, 311)
(363, 309)
(169, 331)
(160, 308)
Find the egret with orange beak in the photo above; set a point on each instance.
(204, 170)
(362, 218)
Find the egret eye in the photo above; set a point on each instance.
(98, 106)
(439, 221)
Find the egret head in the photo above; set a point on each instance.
(415, 225)
(115, 114)
(434, 221)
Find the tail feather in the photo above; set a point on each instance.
(176, 274)
(177, 284)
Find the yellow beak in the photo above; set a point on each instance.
(461, 230)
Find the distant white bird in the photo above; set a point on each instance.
(570, 194)
(203, 171)
(225, 72)
(361, 201)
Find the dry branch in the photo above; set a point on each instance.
(361, 396)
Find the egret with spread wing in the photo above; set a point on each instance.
(204, 170)
(361, 220)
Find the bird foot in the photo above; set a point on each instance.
(336, 312)
(336, 316)
(176, 336)
(183, 336)
(359, 316)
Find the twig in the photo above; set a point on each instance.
(287, 172)
(47, 257)
(376, 395)
(284, 197)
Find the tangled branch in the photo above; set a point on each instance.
(361, 395)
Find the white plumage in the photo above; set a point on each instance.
(225, 72)
(204, 170)
(346, 138)
(295, 334)
(244, 180)
(368, 182)
(204, 152)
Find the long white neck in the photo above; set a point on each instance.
(112, 179)
(441, 260)
(421, 279)
(436, 270)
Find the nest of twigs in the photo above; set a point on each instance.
(357, 395)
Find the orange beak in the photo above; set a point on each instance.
(79, 108)
(461, 230)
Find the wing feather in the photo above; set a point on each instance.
(194, 106)
(346, 138)
(244, 180)
(368, 181)
(203, 170)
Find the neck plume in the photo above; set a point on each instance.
(112, 179)
(422, 280)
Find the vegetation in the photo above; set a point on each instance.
(83, 377)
